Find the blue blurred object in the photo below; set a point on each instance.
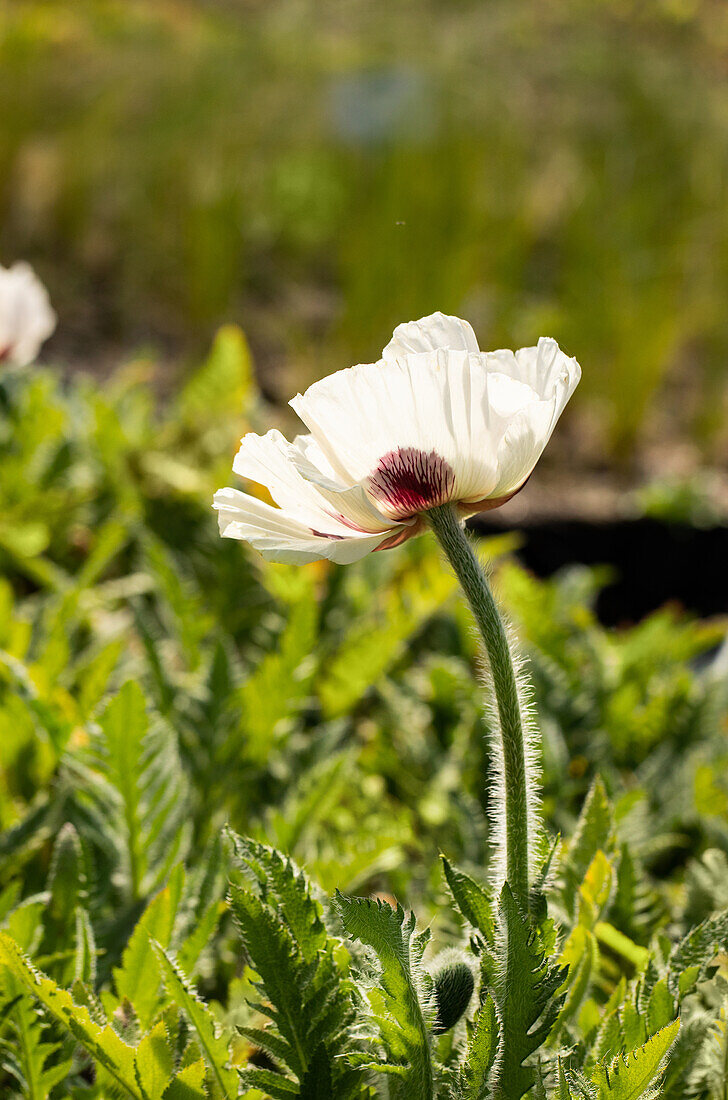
(378, 106)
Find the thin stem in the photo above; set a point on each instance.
(456, 545)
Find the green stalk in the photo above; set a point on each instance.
(455, 543)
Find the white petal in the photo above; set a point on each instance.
(281, 537)
(507, 396)
(429, 402)
(26, 316)
(544, 368)
(264, 459)
(308, 453)
(522, 445)
(348, 502)
(435, 420)
(267, 460)
(429, 334)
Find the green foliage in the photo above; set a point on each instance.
(472, 900)
(480, 1053)
(301, 973)
(110, 1053)
(709, 1062)
(137, 980)
(593, 833)
(149, 784)
(29, 1055)
(142, 1073)
(525, 988)
(636, 1075)
(402, 990)
(690, 958)
(263, 703)
(222, 1078)
(156, 683)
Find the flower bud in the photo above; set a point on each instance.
(453, 984)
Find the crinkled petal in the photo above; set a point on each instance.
(429, 334)
(522, 445)
(507, 396)
(350, 503)
(310, 454)
(544, 369)
(268, 460)
(432, 402)
(434, 420)
(281, 537)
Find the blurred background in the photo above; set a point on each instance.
(320, 170)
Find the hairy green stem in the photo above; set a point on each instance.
(455, 543)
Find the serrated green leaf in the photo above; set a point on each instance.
(130, 783)
(472, 900)
(661, 1007)
(284, 974)
(594, 831)
(25, 1048)
(564, 1092)
(317, 1083)
(269, 1041)
(280, 683)
(191, 948)
(66, 879)
(703, 1060)
(224, 382)
(188, 1084)
(272, 1084)
(101, 1042)
(595, 891)
(635, 1075)
(139, 978)
(580, 955)
(85, 955)
(690, 958)
(154, 1062)
(481, 1052)
(405, 1028)
(634, 1026)
(124, 724)
(214, 1044)
(302, 969)
(524, 986)
(284, 885)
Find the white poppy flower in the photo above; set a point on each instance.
(26, 316)
(434, 421)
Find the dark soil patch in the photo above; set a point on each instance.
(653, 563)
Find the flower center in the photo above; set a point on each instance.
(408, 480)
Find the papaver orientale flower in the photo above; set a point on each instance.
(434, 421)
(26, 316)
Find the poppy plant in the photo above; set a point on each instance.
(435, 431)
(435, 421)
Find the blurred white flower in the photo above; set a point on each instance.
(434, 421)
(26, 316)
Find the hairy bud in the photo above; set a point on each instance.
(452, 986)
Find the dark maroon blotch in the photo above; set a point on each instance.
(410, 480)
